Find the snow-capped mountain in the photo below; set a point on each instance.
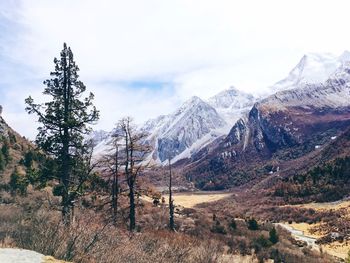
(313, 68)
(189, 128)
(198, 123)
(286, 130)
(177, 135)
(232, 103)
(98, 136)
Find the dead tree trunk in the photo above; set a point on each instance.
(115, 188)
(171, 201)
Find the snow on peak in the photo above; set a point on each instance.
(179, 131)
(231, 98)
(313, 68)
(345, 56)
(232, 103)
(192, 102)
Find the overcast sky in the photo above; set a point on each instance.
(143, 58)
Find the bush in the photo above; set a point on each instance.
(232, 225)
(253, 224)
(5, 150)
(260, 243)
(18, 183)
(218, 228)
(2, 162)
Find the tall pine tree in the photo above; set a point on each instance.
(65, 119)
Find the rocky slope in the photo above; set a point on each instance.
(17, 147)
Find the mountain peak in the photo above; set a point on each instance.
(191, 102)
(231, 98)
(194, 99)
(345, 56)
(312, 68)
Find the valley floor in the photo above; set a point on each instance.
(319, 230)
(192, 199)
(307, 231)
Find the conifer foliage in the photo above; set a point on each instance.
(65, 119)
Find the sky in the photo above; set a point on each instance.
(144, 58)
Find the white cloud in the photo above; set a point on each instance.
(201, 46)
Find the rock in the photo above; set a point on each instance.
(17, 255)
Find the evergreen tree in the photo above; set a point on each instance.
(65, 119)
(2, 162)
(253, 224)
(273, 236)
(5, 150)
(18, 183)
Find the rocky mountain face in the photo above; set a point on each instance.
(232, 104)
(285, 126)
(179, 133)
(189, 128)
(294, 117)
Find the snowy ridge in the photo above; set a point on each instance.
(181, 130)
(231, 104)
(313, 68)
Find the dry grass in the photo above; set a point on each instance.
(192, 199)
(49, 259)
(337, 249)
(307, 229)
(326, 206)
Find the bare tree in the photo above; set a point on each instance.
(134, 156)
(111, 164)
(171, 201)
(115, 181)
(83, 173)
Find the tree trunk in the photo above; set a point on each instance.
(132, 208)
(66, 202)
(171, 202)
(115, 190)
